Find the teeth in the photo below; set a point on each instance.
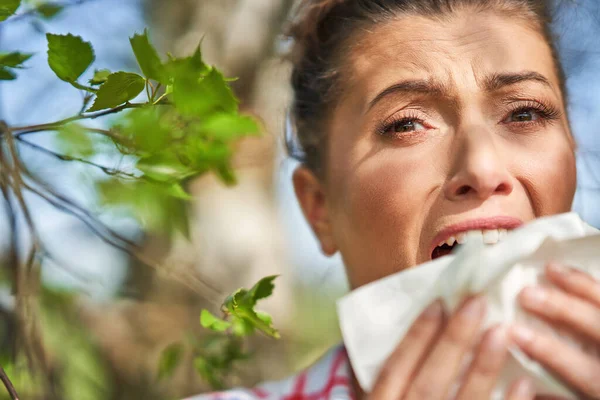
(502, 233)
(474, 236)
(487, 236)
(490, 236)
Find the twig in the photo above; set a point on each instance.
(188, 280)
(8, 384)
(53, 125)
(62, 157)
(76, 210)
(33, 11)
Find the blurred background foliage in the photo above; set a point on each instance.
(103, 323)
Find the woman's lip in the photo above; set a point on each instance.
(499, 222)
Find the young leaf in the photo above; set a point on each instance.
(6, 75)
(178, 192)
(228, 126)
(147, 57)
(262, 289)
(69, 56)
(147, 128)
(8, 8)
(11, 60)
(200, 96)
(118, 88)
(241, 305)
(14, 59)
(100, 76)
(241, 327)
(169, 360)
(250, 316)
(209, 321)
(207, 371)
(74, 141)
(151, 203)
(49, 10)
(164, 167)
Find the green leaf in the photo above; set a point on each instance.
(177, 191)
(209, 321)
(199, 90)
(49, 10)
(250, 316)
(164, 167)
(74, 141)
(11, 60)
(147, 57)
(69, 56)
(100, 76)
(6, 75)
(228, 126)
(207, 371)
(169, 360)
(225, 172)
(264, 317)
(241, 327)
(241, 305)
(262, 289)
(147, 128)
(14, 59)
(153, 204)
(118, 88)
(8, 8)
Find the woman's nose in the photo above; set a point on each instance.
(478, 170)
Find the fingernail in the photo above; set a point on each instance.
(524, 389)
(496, 341)
(534, 296)
(558, 269)
(522, 334)
(434, 310)
(474, 308)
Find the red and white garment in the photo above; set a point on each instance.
(328, 379)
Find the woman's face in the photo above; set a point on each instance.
(442, 128)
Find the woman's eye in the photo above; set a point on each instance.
(526, 115)
(407, 126)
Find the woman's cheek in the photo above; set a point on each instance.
(550, 178)
(378, 221)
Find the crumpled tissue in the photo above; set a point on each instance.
(374, 318)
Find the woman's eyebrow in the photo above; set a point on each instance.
(429, 87)
(498, 81)
(490, 83)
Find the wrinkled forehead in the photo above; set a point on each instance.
(459, 50)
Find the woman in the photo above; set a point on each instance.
(418, 120)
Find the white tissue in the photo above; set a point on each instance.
(374, 318)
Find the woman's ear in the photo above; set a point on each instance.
(311, 196)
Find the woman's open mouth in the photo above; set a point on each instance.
(491, 236)
(488, 231)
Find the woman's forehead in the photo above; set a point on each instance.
(462, 51)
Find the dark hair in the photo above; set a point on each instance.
(321, 33)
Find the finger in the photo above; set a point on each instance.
(521, 389)
(491, 355)
(443, 364)
(400, 366)
(562, 308)
(576, 282)
(573, 366)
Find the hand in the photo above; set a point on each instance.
(428, 362)
(573, 304)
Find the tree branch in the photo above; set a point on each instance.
(52, 125)
(62, 157)
(8, 385)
